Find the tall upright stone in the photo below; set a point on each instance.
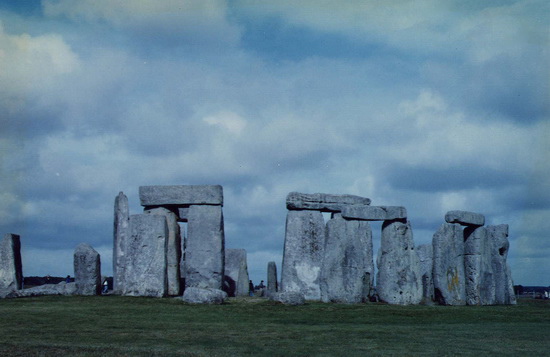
(272, 285)
(398, 279)
(145, 272)
(303, 253)
(121, 232)
(347, 261)
(448, 265)
(11, 269)
(173, 250)
(425, 257)
(205, 247)
(87, 270)
(478, 270)
(236, 272)
(498, 236)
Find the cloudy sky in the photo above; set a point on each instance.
(432, 105)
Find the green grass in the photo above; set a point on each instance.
(124, 326)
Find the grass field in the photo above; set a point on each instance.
(124, 326)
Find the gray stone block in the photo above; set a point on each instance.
(374, 213)
(448, 265)
(399, 280)
(173, 250)
(272, 285)
(236, 272)
(63, 288)
(193, 295)
(425, 257)
(293, 298)
(87, 270)
(348, 256)
(205, 248)
(322, 201)
(498, 236)
(480, 282)
(465, 218)
(11, 269)
(145, 273)
(183, 195)
(121, 232)
(303, 253)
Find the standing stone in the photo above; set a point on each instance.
(87, 270)
(399, 279)
(347, 258)
(173, 251)
(303, 253)
(425, 256)
(121, 221)
(322, 201)
(205, 250)
(480, 282)
(236, 272)
(498, 236)
(272, 287)
(146, 256)
(11, 269)
(448, 265)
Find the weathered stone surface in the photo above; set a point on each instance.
(121, 232)
(465, 218)
(398, 280)
(347, 258)
(510, 294)
(448, 269)
(11, 270)
(183, 195)
(498, 236)
(236, 272)
(289, 298)
(194, 295)
(62, 288)
(425, 257)
(480, 282)
(173, 250)
(87, 270)
(272, 285)
(374, 213)
(322, 201)
(205, 248)
(303, 253)
(145, 273)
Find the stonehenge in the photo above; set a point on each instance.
(87, 270)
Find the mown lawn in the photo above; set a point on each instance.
(123, 326)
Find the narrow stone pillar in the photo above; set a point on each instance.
(11, 267)
(398, 280)
(121, 221)
(303, 253)
(425, 256)
(87, 270)
(205, 247)
(236, 272)
(347, 258)
(448, 265)
(272, 287)
(498, 237)
(173, 250)
(478, 270)
(145, 272)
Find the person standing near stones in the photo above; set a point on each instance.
(105, 286)
(250, 288)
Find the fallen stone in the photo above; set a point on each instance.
(322, 201)
(448, 265)
(146, 256)
(181, 195)
(272, 285)
(465, 218)
(399, 280)
(374, 213)
(11, 269)
(173, 250)
(87, 270)
(194, 295)
(303, 253)
(121, 232)
(236, 272)
(480, 282)
(289, 298)
(205, 252)
(425, 257)
(348, 256)
(63, 288)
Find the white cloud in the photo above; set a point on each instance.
(232, 122)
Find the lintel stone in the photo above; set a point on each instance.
(183, 195)
(374, 213)
(322, 202)
(465, 218)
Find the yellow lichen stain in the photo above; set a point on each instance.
(452, 279)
